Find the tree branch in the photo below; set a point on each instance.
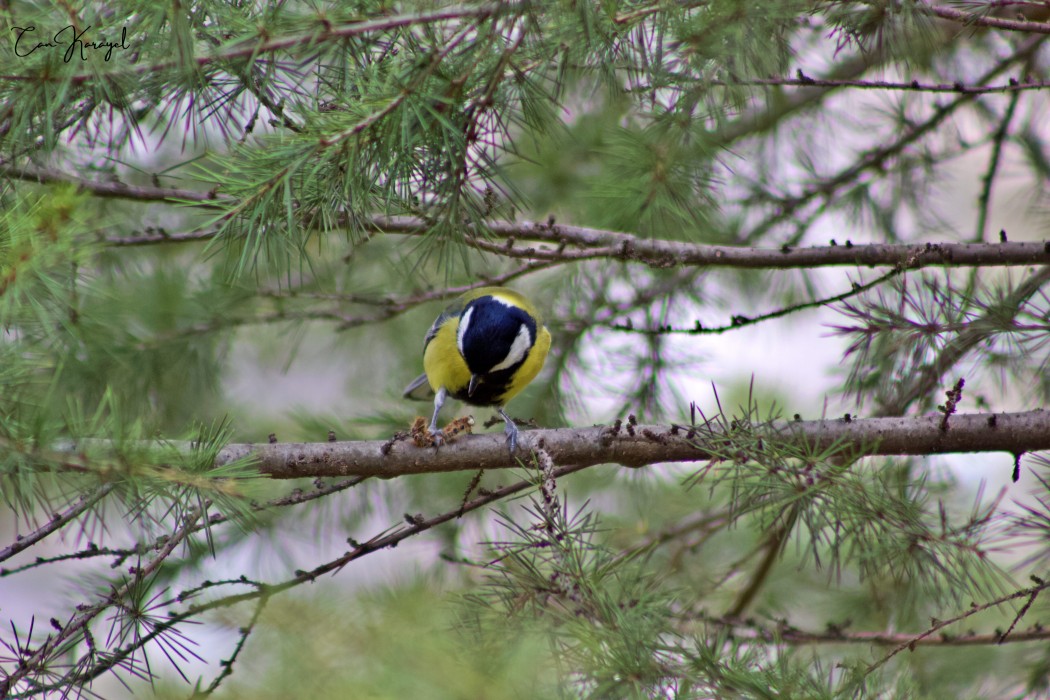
(971, 19)
(787, 634)
(597, 243)
(644, 445)
(739, 321)
(87, 613)
(827, 188)
(57, 522)
(1012, 86)
(938, 625)
(923, 380)
(577, 243)
(389, 539)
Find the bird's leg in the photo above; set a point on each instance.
(439, 401)
(511, 430)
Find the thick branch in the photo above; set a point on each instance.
(1003, 432)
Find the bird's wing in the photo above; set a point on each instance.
(419, 389)
(451, 311)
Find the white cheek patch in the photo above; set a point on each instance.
(518, 349)
(464, 323)
(503, 301)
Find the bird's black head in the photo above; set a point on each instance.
(494, 335)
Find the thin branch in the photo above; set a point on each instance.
(1017, 618)
(745, 321)
(784, 633)
(297, 497)
(86, 614)
(57, 522)
(227, 664)
(390, 539)
(408, 302)
(975, 20)
(922, 381)
(577, 243)
(1013, 86)
(119, 190)
(156, 236)
(877, 158)
(985, 199)
(704, 523)
(774, 546)
(941, 624)
(392, 307)
(91, 552)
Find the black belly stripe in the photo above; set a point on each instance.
(490, 391)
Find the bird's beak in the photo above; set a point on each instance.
(474, 381)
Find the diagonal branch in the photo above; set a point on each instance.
(390, 539)
(56, 523)
(941, 624)
(924, 380)
(39, 657)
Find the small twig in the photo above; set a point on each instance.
(1024, 609)
(227, 664)
(941, 624)
(387, 540)
(86, 614)
(994, 160)
(470, 490)
(57, 522)
(954, 397)
(744, 321)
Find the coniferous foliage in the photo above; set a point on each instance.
(198, 196)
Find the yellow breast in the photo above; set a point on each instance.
(444, 366)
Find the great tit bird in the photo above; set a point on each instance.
(483, 350)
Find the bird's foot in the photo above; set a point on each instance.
(511, 430)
